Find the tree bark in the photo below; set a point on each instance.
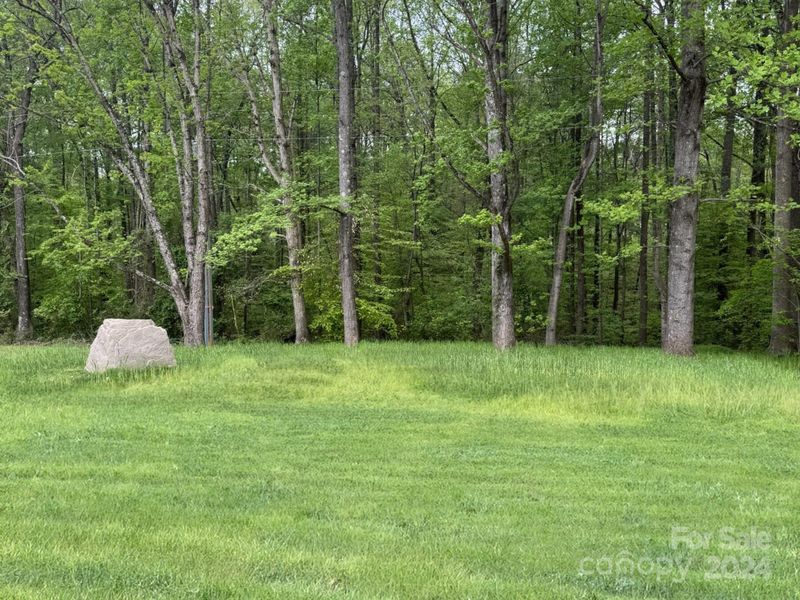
(783, 333)
(597, 293)
(727, 143)
(644, 220)
(589, 154)
(580, 253)
(189, 75)
(294, 237)
(496, 106)
(658, 277)
(491, 32)
(726, 172)
(666, 132)
(679, 338)
(16, 134)
(672, 101)
(377, 133)
(617, 267)
(757, 180)
(343, 23)
(580, 231)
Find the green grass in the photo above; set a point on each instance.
(394, 471)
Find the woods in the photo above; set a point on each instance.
(581, 172)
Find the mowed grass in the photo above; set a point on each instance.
(398, 471)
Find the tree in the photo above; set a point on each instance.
(456, 130)
(587, 160)
(189, 83)
(679, 337)
(13, 158)
(270, 83)
(489, 26)
(783, 331)
(648, 155)
(133, 143)
(343, 19)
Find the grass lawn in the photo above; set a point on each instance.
(400, 471)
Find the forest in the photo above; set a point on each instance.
(618, 172)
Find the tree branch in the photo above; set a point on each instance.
(146, 277)
(658, 35)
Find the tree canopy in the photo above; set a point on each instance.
(379, 169)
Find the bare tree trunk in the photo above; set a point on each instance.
(190, 76)
(580, 233)
(644, 222)
(343, 20)
(491, 31)
(185, 176)
(727, 144)
(597, 295)
(16, 133)
(295, 246)
(783, 314)
(729, 139)
(672, 99)
(683, 212)
(24, 323)
(294, 237)
(199, 287)
(194, 298)
(757, 179)
(376, 131)
(503, 335)
(665, 131)
(623, 285)
(589, 154)
(658, 277)
(580, 253)
(644, 312)
(617, 265)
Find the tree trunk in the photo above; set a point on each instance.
(24, 329)
(644, 225)
(295, 246)
(193, 299)
(623, 286)
(294, 237)
(343, 19)
(649, 158)
(617, 265)
(727, 144)
(726, 170)
(580, 253)
(23, 291)
(658, 242)
(597, 297)
(377, 134)
(783, 313)
(683, 212)
(491, 32)
(658, 277)
(757, 180)
(589, 154)
(672, 99)
(503, 335)
(199, 285)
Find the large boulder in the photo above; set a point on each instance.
(129, 344)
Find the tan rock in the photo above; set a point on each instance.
(129, 344)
